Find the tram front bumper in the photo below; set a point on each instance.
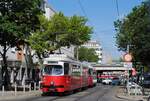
(53, 88)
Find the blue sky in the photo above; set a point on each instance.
(101, 15)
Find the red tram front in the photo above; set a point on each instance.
(60, 74)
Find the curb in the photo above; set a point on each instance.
(21, 96)
(124, 98)
(127, 97)
(117, 96)
(121, 97)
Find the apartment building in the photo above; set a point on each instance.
(96, 46)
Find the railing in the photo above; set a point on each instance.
(146, 91)
(134, 89)
(25, 89)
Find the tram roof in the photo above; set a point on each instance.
(59, 57)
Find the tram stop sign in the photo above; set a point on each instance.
(127, 57)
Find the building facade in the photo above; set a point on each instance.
(48, 10)
(96, 46)
(18, 64)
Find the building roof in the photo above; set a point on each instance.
(48, 6)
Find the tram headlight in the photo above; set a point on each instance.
(51, 83)
(44, 79)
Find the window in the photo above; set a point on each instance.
(66, 68)
(53, 70)
(90, 71)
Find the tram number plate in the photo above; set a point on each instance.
(51, 88)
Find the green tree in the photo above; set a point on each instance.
(69, 30)
(86, 54)
(134, 30)
(60, 31)
(18, 18)
(78, 31)
(42, 39)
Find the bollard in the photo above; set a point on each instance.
(15, 88)
(135, 90)
(3, 90)
(24, 88)
(30, 87)
(39, 85)
(34, 86)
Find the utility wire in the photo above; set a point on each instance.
(82, 8)
(117, 8)
(84, 12)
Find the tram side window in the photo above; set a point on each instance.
(66, 68)
(90, 71)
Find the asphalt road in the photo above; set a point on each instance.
(98, 93)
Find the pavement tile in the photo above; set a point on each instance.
(121, 93)
(19, 95)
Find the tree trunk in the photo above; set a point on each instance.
(29, 62)
(40, 60)
(5, 74)
(59, 51)
(77, 53)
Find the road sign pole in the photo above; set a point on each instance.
(128, 49)
(128, 68)
(128, 58)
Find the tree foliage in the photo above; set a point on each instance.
(69, 30)
(38, 39)
(134, 30)
(78, 32)
(60, 31)
(86, 54)
(18, 18)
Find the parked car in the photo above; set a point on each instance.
(107, 81)
(102, 77)
(145, 80)
(115, 81)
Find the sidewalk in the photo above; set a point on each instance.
(10, 95)
(123, 95)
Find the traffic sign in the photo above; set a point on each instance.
(128, 64)
(127, 57)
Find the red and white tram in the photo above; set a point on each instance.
(62, 74)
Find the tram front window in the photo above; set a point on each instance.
(53, 70)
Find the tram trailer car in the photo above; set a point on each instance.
(90, 78)
(62, 75)
(91, 74)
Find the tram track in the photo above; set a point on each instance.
(101, 95)
(75, 96)
(92, 93)
(78, 98)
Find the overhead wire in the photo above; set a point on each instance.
(85, 14)
(82, 8)
(117, 7)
